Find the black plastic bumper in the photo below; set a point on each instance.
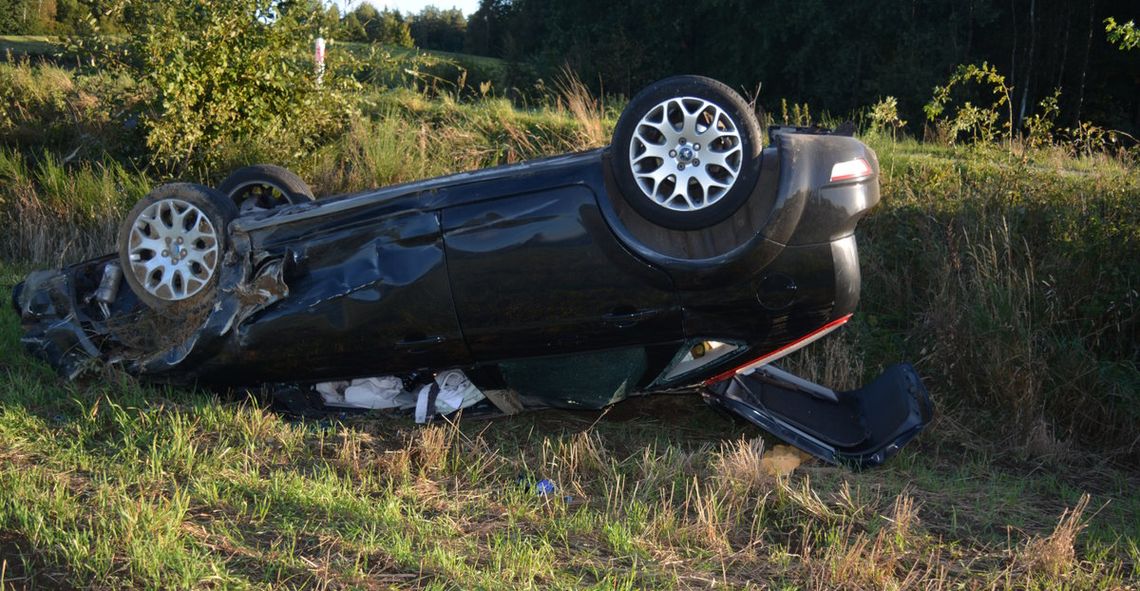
(861, 429)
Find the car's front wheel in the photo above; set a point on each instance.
(172, 243)
(686, 152)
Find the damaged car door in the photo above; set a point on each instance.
(370, 285)
(540, 273)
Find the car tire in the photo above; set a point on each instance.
(172, 244)
(265, 186)
(686, 152)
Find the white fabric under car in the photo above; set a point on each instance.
(371, 393)
(383, 392)
(455, 392)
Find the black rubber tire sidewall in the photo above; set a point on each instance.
(292, 186)
(220, 209)
(750, 138)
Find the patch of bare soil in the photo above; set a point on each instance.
(22, 568)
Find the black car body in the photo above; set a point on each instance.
(507, 272)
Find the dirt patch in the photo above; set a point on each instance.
(21, 567)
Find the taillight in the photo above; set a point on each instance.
(852, 169)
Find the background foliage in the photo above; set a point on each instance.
(839, 54)
(842, 55)
(224, 71)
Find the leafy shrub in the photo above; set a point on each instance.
(1125, 37)
(379, 66)
(1040, 125)
(221, 72)
(1086, 139)
(980, 123)
(885, 116)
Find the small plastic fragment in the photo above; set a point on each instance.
(544, 487)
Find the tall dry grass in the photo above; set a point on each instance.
(1013, 289)
(56, 214)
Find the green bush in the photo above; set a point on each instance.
(980, 123)
(885, 116)
(221, 72)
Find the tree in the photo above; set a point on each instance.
(439, 29)
(9, 24)
(393, 30)
(386, 27)
(351, 29)
(27, 17)
(833, 55)
(69, 15)
(369, 19)
(487, 30)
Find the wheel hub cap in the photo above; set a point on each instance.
(173, 249)
(686, 153)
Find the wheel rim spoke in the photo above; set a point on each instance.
(686, 153)
(173, 249)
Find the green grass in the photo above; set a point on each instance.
(443, 64)
(108, 483)
(1008, 280)
(18, 46)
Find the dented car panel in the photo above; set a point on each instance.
(500, 271)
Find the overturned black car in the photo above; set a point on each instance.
(685, 254)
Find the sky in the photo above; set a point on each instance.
(413, 6)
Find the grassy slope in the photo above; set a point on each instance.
(108, 483)
(28, 45)
(444, 64)
(466, 60)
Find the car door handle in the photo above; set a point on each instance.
(624, 317)
(418, 344)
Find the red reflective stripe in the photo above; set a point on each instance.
(830, 326)
(865, 170)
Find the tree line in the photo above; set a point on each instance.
(431, 28)
(835, 55)
(839, 56)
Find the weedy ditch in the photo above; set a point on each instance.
(1009, 279)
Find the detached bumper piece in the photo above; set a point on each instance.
(861, 428)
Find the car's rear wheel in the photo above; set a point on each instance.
(172, 243)
(686, 152)
(265, 186)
